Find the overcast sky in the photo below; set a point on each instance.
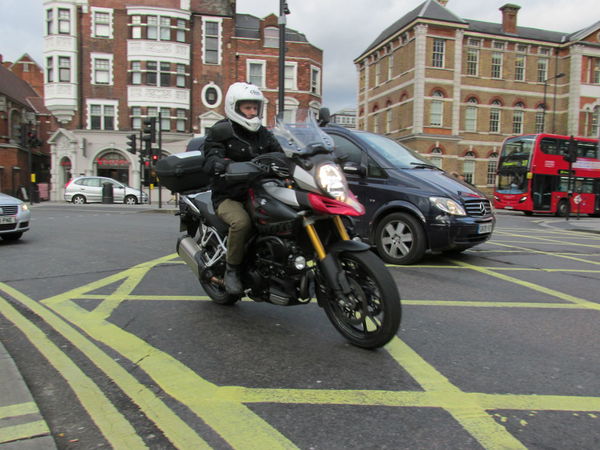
(343, 29)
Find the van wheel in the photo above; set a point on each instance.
(563, 208)
(400, 239)
(130, 200)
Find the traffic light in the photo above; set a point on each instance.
(149, 130)
(155, 155)
(131, 143)
(571, 153)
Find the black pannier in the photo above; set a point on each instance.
(183, 171)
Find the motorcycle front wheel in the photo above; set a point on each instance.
(369, 316)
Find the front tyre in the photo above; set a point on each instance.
(400, 239)
(370, 315)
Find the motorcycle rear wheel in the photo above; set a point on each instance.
(375, 317)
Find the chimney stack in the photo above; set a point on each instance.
(443, 2)
(509, 18)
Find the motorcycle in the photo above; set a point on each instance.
(300, 247)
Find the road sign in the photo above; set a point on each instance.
(577, 199)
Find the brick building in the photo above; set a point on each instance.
(25, 124)
(454, 89)
(112, 63)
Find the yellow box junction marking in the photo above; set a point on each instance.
(223, 409)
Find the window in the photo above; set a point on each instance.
(64, 21)
(64, 69)
(595, 78)
(377, 73)
(539, 120)
(256, 72)
(102, 117)
(518, 114)
(499, 45)
(290, 76)
(438, 53)
(388, 121)
(436, 158)
(152, 27)
(101, 23)
(165, 28)
(181, 120)
(491, 169)
(180, 32)
(180, 81)
(165, 119)
(496, 65)
(375, 123)
(469, 167)
(211, 95)
(101, 70)
(595, 122)
(315, 80)
(437, 110)
(49, 21)
(520, 67)
(542, 70)
(151, 73)
(49, 69)
(136, 29)
(474, 42)
(472, 61)
(495, 117)
(136, 118)
(165, 74)
(136, 72)
(211, 42)
(390, 66)
(271, 37)
(471, 115)
(544, 51)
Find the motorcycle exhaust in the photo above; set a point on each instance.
(189, 251)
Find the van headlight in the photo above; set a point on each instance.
(448, 205)
(331, 180)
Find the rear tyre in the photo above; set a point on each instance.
(370, 315)
(78, 199)
(563, 208)
(400, 239)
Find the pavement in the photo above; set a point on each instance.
(22, 426)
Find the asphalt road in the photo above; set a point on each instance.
(498, 348)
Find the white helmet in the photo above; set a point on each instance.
(239, 92)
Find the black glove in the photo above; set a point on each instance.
(219, 167)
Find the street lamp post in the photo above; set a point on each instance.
(283, 11)
(555, 77)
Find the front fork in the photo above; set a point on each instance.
(328, 262)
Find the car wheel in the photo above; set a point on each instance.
(78, 199)
(563, 208)
(130, 200)
(400, 239)
(12, 236)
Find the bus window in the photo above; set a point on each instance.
(549, 146)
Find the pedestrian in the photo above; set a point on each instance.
(239, 137)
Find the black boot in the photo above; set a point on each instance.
(233, 284)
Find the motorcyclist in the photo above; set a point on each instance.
(239, 137)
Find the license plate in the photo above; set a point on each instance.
(7, 220)
(485, 228)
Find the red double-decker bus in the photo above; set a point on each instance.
(534, 175)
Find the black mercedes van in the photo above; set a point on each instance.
(411, 205)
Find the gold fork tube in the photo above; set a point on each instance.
(316, 241)
(341, 228)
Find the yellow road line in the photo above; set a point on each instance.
(551, 241)
(536, 287)
(476, 304)
(19, 409)
(175, 429)
(558, 255)
(115, 428)
(23, 431)
(234, 422)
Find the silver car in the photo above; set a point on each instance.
(14, 217)
(82, 190)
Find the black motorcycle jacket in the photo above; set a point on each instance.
(227, 141)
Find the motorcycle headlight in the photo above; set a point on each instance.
(331, 180)
(449, 206)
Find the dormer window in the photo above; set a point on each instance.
(271, 37)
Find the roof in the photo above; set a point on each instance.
(432, 10)
(248, 26)
(14, 87)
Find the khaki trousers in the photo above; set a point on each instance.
(235, 215)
